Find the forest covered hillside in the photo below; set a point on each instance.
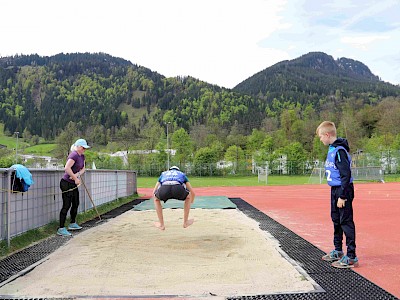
(43, 94)
(108, 99)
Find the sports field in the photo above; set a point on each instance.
(218, 256)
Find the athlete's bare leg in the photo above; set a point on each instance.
(160, 224)
(186, 210)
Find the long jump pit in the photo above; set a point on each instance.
(224, 253)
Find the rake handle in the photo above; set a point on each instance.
(90, 197)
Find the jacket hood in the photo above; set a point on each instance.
(341, 142)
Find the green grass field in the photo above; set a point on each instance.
(42, 149)
(147, 182)
(24, 148)
(11, 142)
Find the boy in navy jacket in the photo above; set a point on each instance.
(338, 175)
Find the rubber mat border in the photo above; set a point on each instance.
(336, 283)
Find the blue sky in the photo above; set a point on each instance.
(222, 42)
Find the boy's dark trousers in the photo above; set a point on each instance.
(342, 219)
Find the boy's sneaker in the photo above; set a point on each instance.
(63, 232)
(74, 226)
(334, 255)
(346, 262)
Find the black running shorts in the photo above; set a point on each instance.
(177, 191)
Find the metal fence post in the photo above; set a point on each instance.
(8, 210)
(116, 185)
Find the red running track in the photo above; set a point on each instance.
(305, 210)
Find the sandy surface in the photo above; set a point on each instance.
(223, 253)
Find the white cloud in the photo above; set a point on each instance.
(363, 42)
(367, 10)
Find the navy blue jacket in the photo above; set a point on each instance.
(344, 165)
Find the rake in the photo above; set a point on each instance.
(91, 200)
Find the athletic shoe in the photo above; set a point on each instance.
(345, 262)
(74, 226)
(63, 232)
(334, 255)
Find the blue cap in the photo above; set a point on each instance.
(82, 142)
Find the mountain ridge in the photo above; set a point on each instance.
(315, 73)
(321, 62)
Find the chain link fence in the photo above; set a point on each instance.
(388, 161)
(218, 169)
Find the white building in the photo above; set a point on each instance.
(41, 162)
(124, 154)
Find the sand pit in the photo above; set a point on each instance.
(224, 253)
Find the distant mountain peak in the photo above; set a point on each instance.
(326, 64)
(314, 73)
(355, 67)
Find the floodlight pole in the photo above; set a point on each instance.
(167, 146)
(16, 148)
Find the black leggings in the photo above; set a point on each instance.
(70, 200)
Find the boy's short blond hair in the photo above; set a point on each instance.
(326, 127)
